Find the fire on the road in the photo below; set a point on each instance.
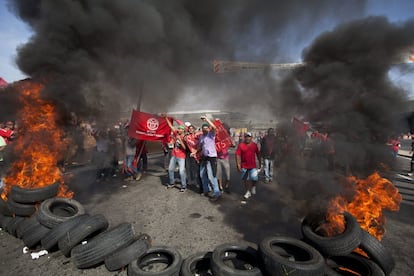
(370, 197)
(39, 145)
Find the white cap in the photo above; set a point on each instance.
(187, 124)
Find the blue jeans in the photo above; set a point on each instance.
(206, 174)
(131, 170)
(181, 166)
(268, 168)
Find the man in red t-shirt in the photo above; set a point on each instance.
(246, 154)
(178, 155)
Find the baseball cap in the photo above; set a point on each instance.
(248, 134)
(181, 127)
(187, 124)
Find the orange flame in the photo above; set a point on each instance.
(39, 145)
(372, 195)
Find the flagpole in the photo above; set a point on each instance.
(140, 92)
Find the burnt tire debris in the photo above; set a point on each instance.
(120, 246)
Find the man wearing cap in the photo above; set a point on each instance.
(178, 155)
(246, 154)
(208, 166)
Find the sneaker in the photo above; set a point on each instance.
(247, 195)
(138, 176)
(243, 201)
(169, 186)
(129, 178)
(182, 190)
(253, 190)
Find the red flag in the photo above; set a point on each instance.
(146, 126)
(3, 83)
(223, 139)
(300, 126)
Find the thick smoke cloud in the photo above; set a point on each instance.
(97, 56)
(345, 91)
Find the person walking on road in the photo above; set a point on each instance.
(246, 154)
(208, 166)
(268, 150)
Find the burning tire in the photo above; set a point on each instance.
(232, 260)
(56, 210)
(340, 245)
(197, 264)
(157, 261)
(282, 255)
(88, 228)
(98, 248)
(20, 209)
(377, 252)
(22, 195)
(50, 241)
(123, 257)
(32, 238)
(354, 264)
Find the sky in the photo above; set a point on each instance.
(15, 33)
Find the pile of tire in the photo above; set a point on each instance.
(41, 219)
(353, 250)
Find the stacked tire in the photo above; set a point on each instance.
(340, 251)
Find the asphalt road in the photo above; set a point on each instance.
(190, 222)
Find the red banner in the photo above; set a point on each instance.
(3, 83)
(146, 126)
(223, 139)
(300, 126)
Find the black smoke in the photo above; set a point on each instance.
(345, 91)
(98, 56)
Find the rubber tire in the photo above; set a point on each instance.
(5, 221)
(96, 250)
(20, 209)
(4, 209)
(89, 228)
(157, 254)
(306, 259)
(50, 241)
(197, 264)
(219, 267)
(377, 252)
(340, 245)
(12, 226)
(25, 226)
(354, 262)
(24, 195)
(33, 237)
(49, 218)
(124, 256)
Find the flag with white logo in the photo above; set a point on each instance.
(146, 126)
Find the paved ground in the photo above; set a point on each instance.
(189, 221)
